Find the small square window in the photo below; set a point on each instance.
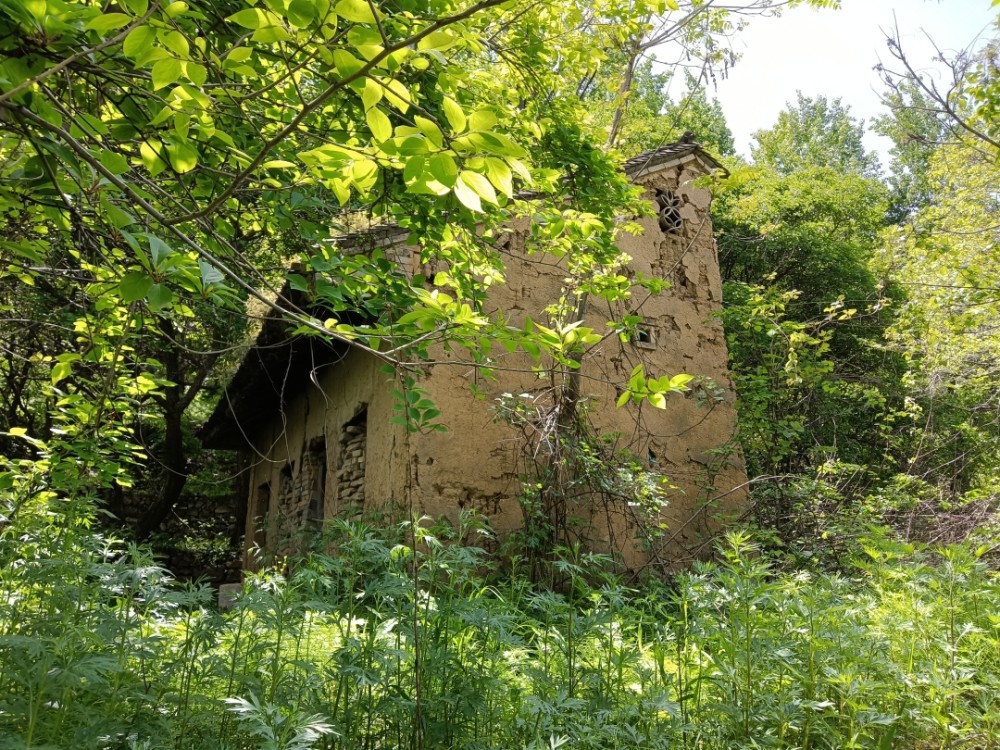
(645, 336)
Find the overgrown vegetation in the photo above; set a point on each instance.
(164, 162)
(400, 639)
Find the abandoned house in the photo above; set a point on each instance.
(315, 419)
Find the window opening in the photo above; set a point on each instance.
(261, 515)
(286, 489)
(315, 464)
(353, 458)
(645, 337)
(669, 210)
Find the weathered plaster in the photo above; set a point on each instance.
(477, 463)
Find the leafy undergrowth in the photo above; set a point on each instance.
(391, 644)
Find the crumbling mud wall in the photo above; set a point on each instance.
(311, 464)
(480, 463)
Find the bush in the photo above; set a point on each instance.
(403, 639)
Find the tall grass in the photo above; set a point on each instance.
(405, 639)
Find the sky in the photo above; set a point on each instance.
(834, 52)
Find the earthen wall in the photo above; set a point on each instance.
(480, 461)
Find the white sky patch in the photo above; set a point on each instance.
(834, 52)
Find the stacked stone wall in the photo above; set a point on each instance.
(297, 493)
(353, 459)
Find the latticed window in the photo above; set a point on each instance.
(669, 208)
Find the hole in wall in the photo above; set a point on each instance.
(314, 483)
(645, 336)
(261, 514)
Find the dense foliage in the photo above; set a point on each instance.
(399, 640)
(165, 163)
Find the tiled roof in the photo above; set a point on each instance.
(667, 153)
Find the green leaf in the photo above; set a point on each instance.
(159, 296)
(430, 129)
(144, 383)
(413, 169)
(249, 18)
(679, 382)
(182, 125)
(467, 196)
(365, 174)
(239, 54)
(623, 399)
(346, 63)
(372, 94)
(438, 41)
(456, 116)
(139, 7)
(61, 371)
(175, 9)
(114, 163)
(398, 95)
(183, 155)
(108, 22)
(365, 40)
(158, 250)
(341, 189)
(118, 217)
(482, 119)
(494, 143)
(165, 72)
(151, 158)
(500, 175)
(637, 380)
(358, 11)
(176, 42)
(138, 41)
(94, 123)
(379, 124)
(210, 275)
(270, 34)
(196, 73)
(479, 184)
(301, 13)
(443, 169)
(134, 286)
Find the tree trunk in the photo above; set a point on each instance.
(173, 460)
(623, 91)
